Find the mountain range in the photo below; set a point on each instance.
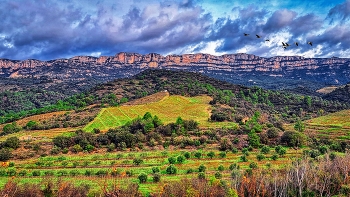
(281, 72)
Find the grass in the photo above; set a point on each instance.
(167, 109)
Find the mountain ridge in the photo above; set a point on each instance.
(327, 70)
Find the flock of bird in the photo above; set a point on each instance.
(285, 45)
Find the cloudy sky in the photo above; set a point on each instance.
(50, 29)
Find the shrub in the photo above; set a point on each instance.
(5, 154)
(201, 175)
(137, 161)
(260, 157)
(11, 172)
(265, 149)
(101, 172)
(272, 132)
(12, 142)
(198, 155)
(88, 172)
(234, 150)
(189, 171)
(211, 154)
(293, 138)
(11, 164)
(142, 177)
(89, 148)
(76, 148)
(156, 177)
(222, 154)
(49, 173)
(225, 144)
(180, 159)
(171, 169)
(282, 151)
(36, 173)
(187, 155)
(22, 173)
(244, 158)
(221, 168)
(234, 166)
(155, 169)
(202, 168)
(253, 165)
(172, 160)
(62, 173)
(274, 157)
(74, 172)
(245, 151)
(218, 175)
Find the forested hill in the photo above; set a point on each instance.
(245, 101)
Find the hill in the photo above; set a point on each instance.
(340, 94)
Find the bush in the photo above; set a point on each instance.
(76, 148)
(211, 154)
(274, 157)
(172, 160)
(142, 177)
(89, 148)
(218, 175)
(180, 159)
(198, 155)
(222, 154)
(202, 168)
(189, 171)
(221, 168)
(137, 161)
(265, 149)
(12, 142)
(244, 158)
(260, 157)
(5, 154)
(234, 166)
(171, 169)
(293, 139)
(187, 155)
(156, 177)
(234, 150)
(272, 132)
(201, 175)
(22, 173)
(225, 144)
(155, 169)
(253, 165)
(36, 173)
(101, 173)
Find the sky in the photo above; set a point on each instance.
(52, 29)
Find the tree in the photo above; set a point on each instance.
(202, 168)
(137, 161)
(253, 139)
(171, 169)
(180, 159)
(12, 142)
(172, 160)
(293, 138)
(5, 154)
(142, 177)
(10, 128)
(299, 126)
(211, 154)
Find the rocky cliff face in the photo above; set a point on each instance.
(324, 70)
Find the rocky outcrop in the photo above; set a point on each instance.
(326, 70)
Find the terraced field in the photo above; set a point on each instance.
(167, 109)
(332, 126)
(95, 169)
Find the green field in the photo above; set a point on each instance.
(331, 126)
(74, 168)
(168, 109)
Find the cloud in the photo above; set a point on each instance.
(46, 30)
(49, 29)
(340, 12)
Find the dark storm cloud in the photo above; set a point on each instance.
(46, 30)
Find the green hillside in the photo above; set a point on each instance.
(168, 109)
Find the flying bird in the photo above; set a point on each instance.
(246, 34)
(258, 36)
(267, 40)
(284, 44)
(296, 43)
(310, 43)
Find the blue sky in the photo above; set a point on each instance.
(50, 29)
